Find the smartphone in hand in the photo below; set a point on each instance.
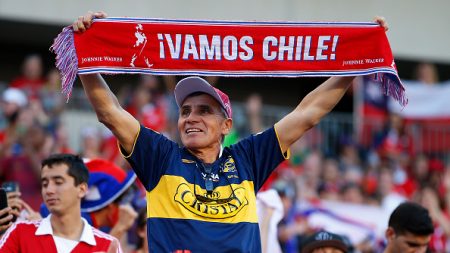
(10, 186)
(3, 204)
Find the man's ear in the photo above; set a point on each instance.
(390, 234)
(83, 189)
(226, 126)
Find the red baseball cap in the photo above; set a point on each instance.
(193, 84)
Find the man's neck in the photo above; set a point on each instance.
(67, 226)
(209, 155)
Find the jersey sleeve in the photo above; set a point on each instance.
(150, 155)
(263, 154)
(10, 241)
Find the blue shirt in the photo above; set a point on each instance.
(182, 215)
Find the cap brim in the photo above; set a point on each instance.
(194, 84)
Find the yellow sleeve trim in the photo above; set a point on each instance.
(286, 154)
(134, 144)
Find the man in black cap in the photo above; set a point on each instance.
(324, 242)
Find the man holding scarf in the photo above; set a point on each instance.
(201, 197)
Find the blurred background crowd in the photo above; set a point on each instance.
(346, 175)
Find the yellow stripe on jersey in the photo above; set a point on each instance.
(286, 154)
(175, 198)
(132, 149)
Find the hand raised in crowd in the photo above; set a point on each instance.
(127, 216)
(84, 22)
(11, 211)
(15, 203)
(6, 221)
(32, 215)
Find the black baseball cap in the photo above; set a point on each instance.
(324, 239)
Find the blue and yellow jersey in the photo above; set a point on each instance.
(182, 215)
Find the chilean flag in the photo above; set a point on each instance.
(427, 115)
(372, 110)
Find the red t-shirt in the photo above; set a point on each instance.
(21, 237)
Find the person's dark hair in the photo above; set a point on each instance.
(411, 217)
(77, 168)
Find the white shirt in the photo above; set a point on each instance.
(64, 245)
(269, 200)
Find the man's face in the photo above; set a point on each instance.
(58, 189)
(407, 242)
(201, 122)
(327, 250)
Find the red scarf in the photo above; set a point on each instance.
(228, 48)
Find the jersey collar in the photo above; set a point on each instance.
(87, 236)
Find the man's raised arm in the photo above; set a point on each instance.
(109, 112)
(314, 106)
(311, 110)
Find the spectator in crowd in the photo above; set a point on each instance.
(270, 212)
(444, 188)
(147, 105)
(172, 108)
(13, 102)
(352, 193)
(90, 142)
(61, 141)
(16, 210)
(324, 242)
(21, 146)
(394, 140)
(250, 122)
(331, 180)
(106, 206)
(426, 73)
(253, 116)
(109, 150)
(32, 78)
(348, 155)
(142, 246)
(429, 199)
(109, 197)
(50, 96)
(64, 183)
(390, 198)
(410, 229)
(309, 182)
(293, 225)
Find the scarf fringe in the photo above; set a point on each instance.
(392, 87)
(66, 59)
